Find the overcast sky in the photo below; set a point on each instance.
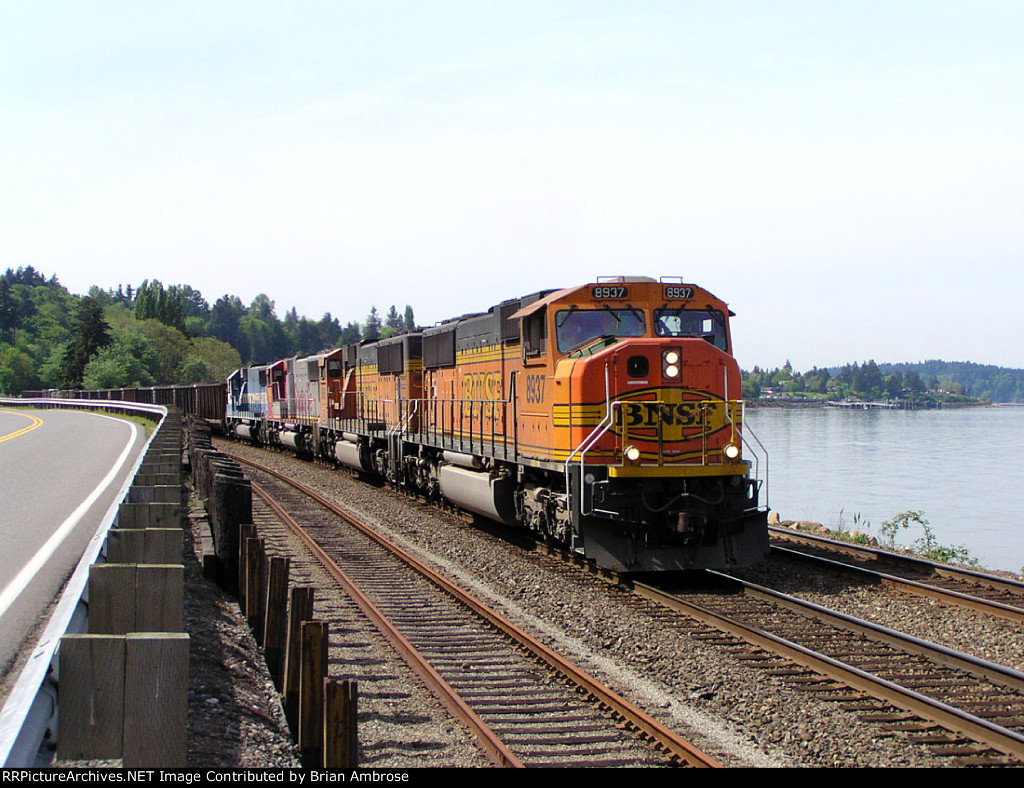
(849, 176)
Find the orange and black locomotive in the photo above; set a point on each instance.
(606, 417)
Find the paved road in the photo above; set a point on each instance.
(56, 484)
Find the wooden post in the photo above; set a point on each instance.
(125, 545)
(135, 598)
(241, 582)
(149, 515)
(275, 632)
(111, 599)
(156, 700)
(311, 691)
(91, 697)
(159, 598)
(255, 595)
(341, 733)
(144, 546)
(162, 546)
(230, 506)
(301, 609)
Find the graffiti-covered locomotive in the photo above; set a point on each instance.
(606, 417)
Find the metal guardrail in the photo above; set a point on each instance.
(31, 707)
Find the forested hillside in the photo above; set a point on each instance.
(152, 334)
(937, 381)
(995, 384)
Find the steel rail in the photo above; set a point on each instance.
(495, 749)
(875, 554)
(957, 660)
(949, 717)
(666, 739)
(915, 587)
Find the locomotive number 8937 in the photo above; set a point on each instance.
(605, 417)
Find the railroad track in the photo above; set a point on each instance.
(984, 593)
(959, 706)
(525, 704)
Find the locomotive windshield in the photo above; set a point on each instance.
(575, 327)
(706, 323)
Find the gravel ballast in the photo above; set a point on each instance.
(742, 715)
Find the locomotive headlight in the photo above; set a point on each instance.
(631, 453)
(731, 451)
(670, 360)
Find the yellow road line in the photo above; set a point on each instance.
(36, 422)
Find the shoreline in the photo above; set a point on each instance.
(796, 404)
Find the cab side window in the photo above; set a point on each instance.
(535, 333)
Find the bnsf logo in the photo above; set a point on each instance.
(675, 421)
(534, 389)
(651, 414)
(482, 386)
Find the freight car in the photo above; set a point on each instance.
(205, 400)
(605, 417)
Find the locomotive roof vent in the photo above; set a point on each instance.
(621, 280)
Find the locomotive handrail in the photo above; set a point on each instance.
(431, 426)
(587, 442)
(401, 424)
(748, 431)
(585, 445)
(298, 409)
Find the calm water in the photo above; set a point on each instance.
(964, 468)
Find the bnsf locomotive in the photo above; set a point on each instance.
(606, 417)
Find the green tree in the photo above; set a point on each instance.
(371, 329)
(8, 311)
(114, 366)
(329, 330)
(350, 334)
(219, 357)
(394, 321)
(162, 348)
(153, 301)
(264, 337)
(751, 388)
(912, 382)
(894, 384)
(867, 380)
(194, 370)
(18, 290)
(225, 321)
(17, 371)
(306, 339)
(89, 333)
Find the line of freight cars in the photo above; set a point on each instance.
(206, 400)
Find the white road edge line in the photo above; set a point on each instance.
(17, 586)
